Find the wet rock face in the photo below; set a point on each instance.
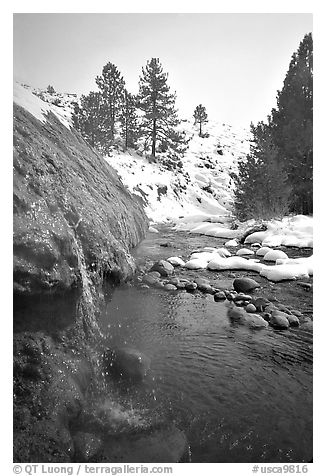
(74, 225)
(70, 210)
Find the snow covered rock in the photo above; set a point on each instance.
(176, 261)
(151, 229)
(262, 251)
(245, 252)
(231, 243)
(196, 264)
(274, 255)
(283, 272)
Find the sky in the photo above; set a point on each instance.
(232, 63)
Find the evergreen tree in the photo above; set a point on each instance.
(112, 86)
(261, 183)
(292, 126)
(88, 119)
(200, 116)
(128, 120)
(158, 105)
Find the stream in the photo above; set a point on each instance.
(240, 395)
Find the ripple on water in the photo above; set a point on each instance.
(240, 395)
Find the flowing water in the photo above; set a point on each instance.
(240, 395)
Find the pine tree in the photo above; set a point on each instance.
(261, 182)
(128, 120)
(158, 105)
(88, 119)
(200, 116)
(112, 86)
(292, 126)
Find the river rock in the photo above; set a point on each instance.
(170, 287)
(149, 279)
(190, 286)
(242, 297)
(267, 316)
(279, 320)
(161, 445)
(163, 267)
(245, 284)
(293, 320)
(245, 252)
(219, 296)
(255, 321)
(262, 251)
(174, 281)
(251, 308)
(236, 314)
(86, 446)
(176, 261)
(296, 313)
(273, 255)
(154, 274)
(260, 303)
(126, 363)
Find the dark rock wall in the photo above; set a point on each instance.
(74, 225)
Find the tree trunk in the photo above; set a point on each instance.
(200, 128)
(154, 138)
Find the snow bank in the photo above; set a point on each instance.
(24, 97)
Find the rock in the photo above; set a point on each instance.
(251, 308)
(296, 313)
(154, 274)
(279, 320)
(242, 297)
(161, 445)
(206, 288)
(151, 229)
(250, 231)
(219, 296)
(85, 226)
(260, 303)
(236, 314)
(255, 321)
(166, 244)
(176, 261)
(163, 267)
(170, 287)
(245, 284)
(283, 308)
(293, 320)
(267, 316)
(86, 446)
(126, 363)
(245, 252)
(190, 286)
(181, 285)
(273, 255)
(231, 243)
(307, 286)
(200, 281)
(149, 279)
(262, 251)
(174, 281)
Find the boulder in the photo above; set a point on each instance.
(279, 320)
(262, 251)
(245, 284)
(149, 279)
(126, 363)
(163, 267)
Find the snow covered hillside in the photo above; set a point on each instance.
(199, 184)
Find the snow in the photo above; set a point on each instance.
(245, 252)
(273, 255)
(199, 191)
(24, 97)
(283, 272)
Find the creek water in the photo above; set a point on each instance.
(240, 395)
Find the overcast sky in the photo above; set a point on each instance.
(233, 64)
